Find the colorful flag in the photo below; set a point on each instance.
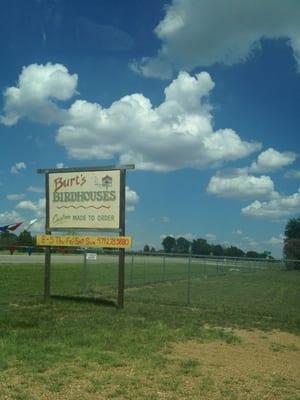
(11, 227)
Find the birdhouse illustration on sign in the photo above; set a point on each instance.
(107, 181)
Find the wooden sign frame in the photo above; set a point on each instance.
(120, 229)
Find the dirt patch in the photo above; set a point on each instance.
(262, 366)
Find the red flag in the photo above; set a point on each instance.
(13, 227)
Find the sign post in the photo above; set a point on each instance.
(85, 199)
(47, 276)
(121, 274)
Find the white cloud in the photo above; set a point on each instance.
(272, 160)
(132, 199)
(249, 241)
(276, 241)
(205, 32)
(37, 90)
(35, 189)
(176, 134)
(38, 208)
(164, 235)
(14, 197)
(292, 174)
(237, 232)
(211, 237)
(165, 220)
(15, 169)
(60, 165)
(280, 206)
(238, 184)
(152, 68)
(10, 217)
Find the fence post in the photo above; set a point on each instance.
(144, 270)
(47, 276)
(84, 274)
(164, 268)
(131, 270)
(189, 281)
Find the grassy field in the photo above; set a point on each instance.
(226, 344)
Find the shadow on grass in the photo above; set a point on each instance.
(82, 299)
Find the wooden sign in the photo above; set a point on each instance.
(117, 242)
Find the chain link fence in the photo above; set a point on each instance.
(153, 277)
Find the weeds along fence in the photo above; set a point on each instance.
(158, 278)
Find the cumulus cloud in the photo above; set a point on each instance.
(211, 237)
(292, 174)
(14, 197)
(38, 89)
(272, 160)
(238, 184)
(151, 68)
(205, 32)
(15, 169)
(132, 199)
(237, 232)
(60, 165)
(9, 217)
(249, 241)
(176, 134)
(280, 206)
(38, 208)
(35, 189)
(276, 240)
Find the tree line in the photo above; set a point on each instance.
(8, 239)
(200, 246)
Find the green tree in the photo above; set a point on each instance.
(253, 254)
(291, 248)
(8, 239)
(200, 246)
(146, 248)
(25, 239)
(217, 250)
(169, 244)
(234, 251)
(182, 245)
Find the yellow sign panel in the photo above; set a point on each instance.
(84, 241)
(84, 200)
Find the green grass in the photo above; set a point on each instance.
(46, 349)
(267, 298)
(51, 345)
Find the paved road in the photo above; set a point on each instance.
(38, 258)
(113, 259)
(72, 258)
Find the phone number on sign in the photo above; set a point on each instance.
(84, 241)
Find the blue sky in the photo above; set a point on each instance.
(202, 97)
